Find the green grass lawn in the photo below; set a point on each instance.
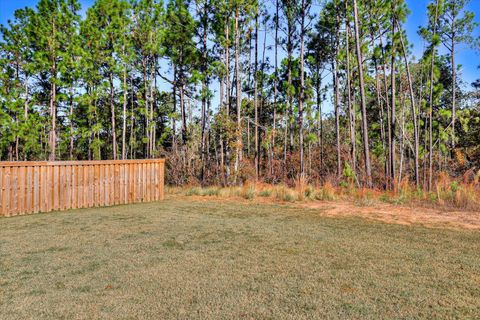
(185, 259)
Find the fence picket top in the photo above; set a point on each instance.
(75, 162)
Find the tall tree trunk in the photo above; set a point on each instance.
(392, 124)
(319, 114)
(124, 115)
(204, 92)
(227, 65)
(430, 111)
(53, 100)
(285, 117)
(222, 163)
(152, 110)
(239, 95)
(248, 137)
(25, 107)
(27, 100)
(174, 93)
(154, 105)
(366, 148)
(147, 108)
(183, 115)
(53, 116)
(132, 122)
(454, 91)
(255, 100)
(228, 88)
(15, 115)
(402, 141)
(302, 88)
(71, 122)
(275, 89)
(414, 111)
(267, 152)
(98, 152)
(336, 86)
(222, 106)
(387, 106)
(182, 111)
(290, 31)
(381, 116)
(351, 107)
(112, 111)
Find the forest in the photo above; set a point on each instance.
(230, 91)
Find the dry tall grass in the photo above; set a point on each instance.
(448, 193)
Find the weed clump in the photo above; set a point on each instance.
(248, 192)
(325, 193)
(283, 193)
(194, 191)
(265, 193)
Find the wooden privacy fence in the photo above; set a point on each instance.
(42, 186)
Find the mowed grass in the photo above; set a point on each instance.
(186, 259)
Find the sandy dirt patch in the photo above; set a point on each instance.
(397, 214)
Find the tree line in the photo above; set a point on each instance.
(237, 90)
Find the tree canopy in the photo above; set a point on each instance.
(237, 90)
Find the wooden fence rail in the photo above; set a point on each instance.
(42, 186)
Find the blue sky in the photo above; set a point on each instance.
(467, 58)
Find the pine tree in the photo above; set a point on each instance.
(67, 81)
(363, 103)
(182, 53)
(430, 33)
(17, 60)
(455, 27)
(52, 25)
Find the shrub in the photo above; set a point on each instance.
(309, 192)
(364, 197)
(290, 197)
(193, 191)
(284, 193)
(265, 193)
(248, 192)
(325, 193)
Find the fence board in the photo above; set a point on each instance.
(28, 191)
(116, 183)
(81, 188)
(144, 182)
(6, 189)
(13, 191)
(73, 191)
(90, 184)
(39, 175)
(2, 192)
(131, 183)
(42, 186)
(96, 189)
